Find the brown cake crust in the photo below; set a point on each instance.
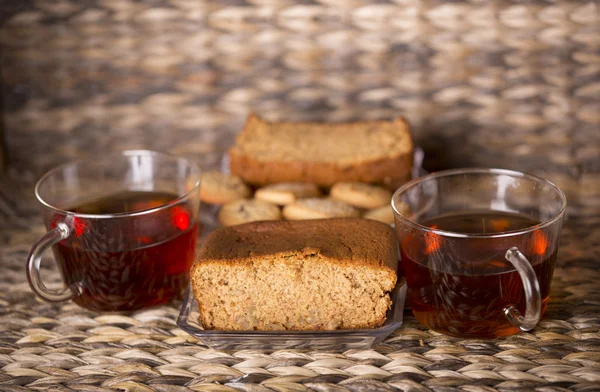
(346, 240)
(390, 167)
(243, 274)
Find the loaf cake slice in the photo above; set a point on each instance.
(367, 151)
(296, 275)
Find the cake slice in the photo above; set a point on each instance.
(367, 151)
(296, 275)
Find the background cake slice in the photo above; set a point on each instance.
(367, 151)
(296, 275)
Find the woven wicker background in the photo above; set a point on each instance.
(503, 83)
(521, 77)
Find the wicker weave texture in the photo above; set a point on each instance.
(521, 77)
(493, 83)
(49, 347)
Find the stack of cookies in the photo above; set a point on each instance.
(293, 200)
(299, 171)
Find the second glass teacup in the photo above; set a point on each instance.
(478, 248)
(123, 230)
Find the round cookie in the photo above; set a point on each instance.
(383, 214)
(285, 193)
(318, 208)
(361, 195)
(220, 188)
(243, 211)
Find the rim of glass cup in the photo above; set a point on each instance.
(107, 158)
(478, 170)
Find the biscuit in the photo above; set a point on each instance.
(361, 195)
(317, 208)
(285, 193)
(220, 188)
(383, 214)
(243, 211)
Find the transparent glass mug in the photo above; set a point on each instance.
(120, 259)
(478, 248)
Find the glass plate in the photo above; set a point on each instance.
(338, 340)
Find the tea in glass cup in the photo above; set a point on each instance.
(123, 230)
(478, 248)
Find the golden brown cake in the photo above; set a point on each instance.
(296, 275)
(368, 151)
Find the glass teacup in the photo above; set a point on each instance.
(123, 230)
(478, 248)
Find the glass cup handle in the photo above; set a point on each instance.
(54, 236)
(531, 287)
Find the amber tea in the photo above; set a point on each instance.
(129, 263)
(122, 227)
(478, 248)
(463, 291)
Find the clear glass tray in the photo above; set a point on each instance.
(338, 340)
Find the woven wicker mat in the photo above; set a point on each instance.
(64, 347)
(472, 72)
